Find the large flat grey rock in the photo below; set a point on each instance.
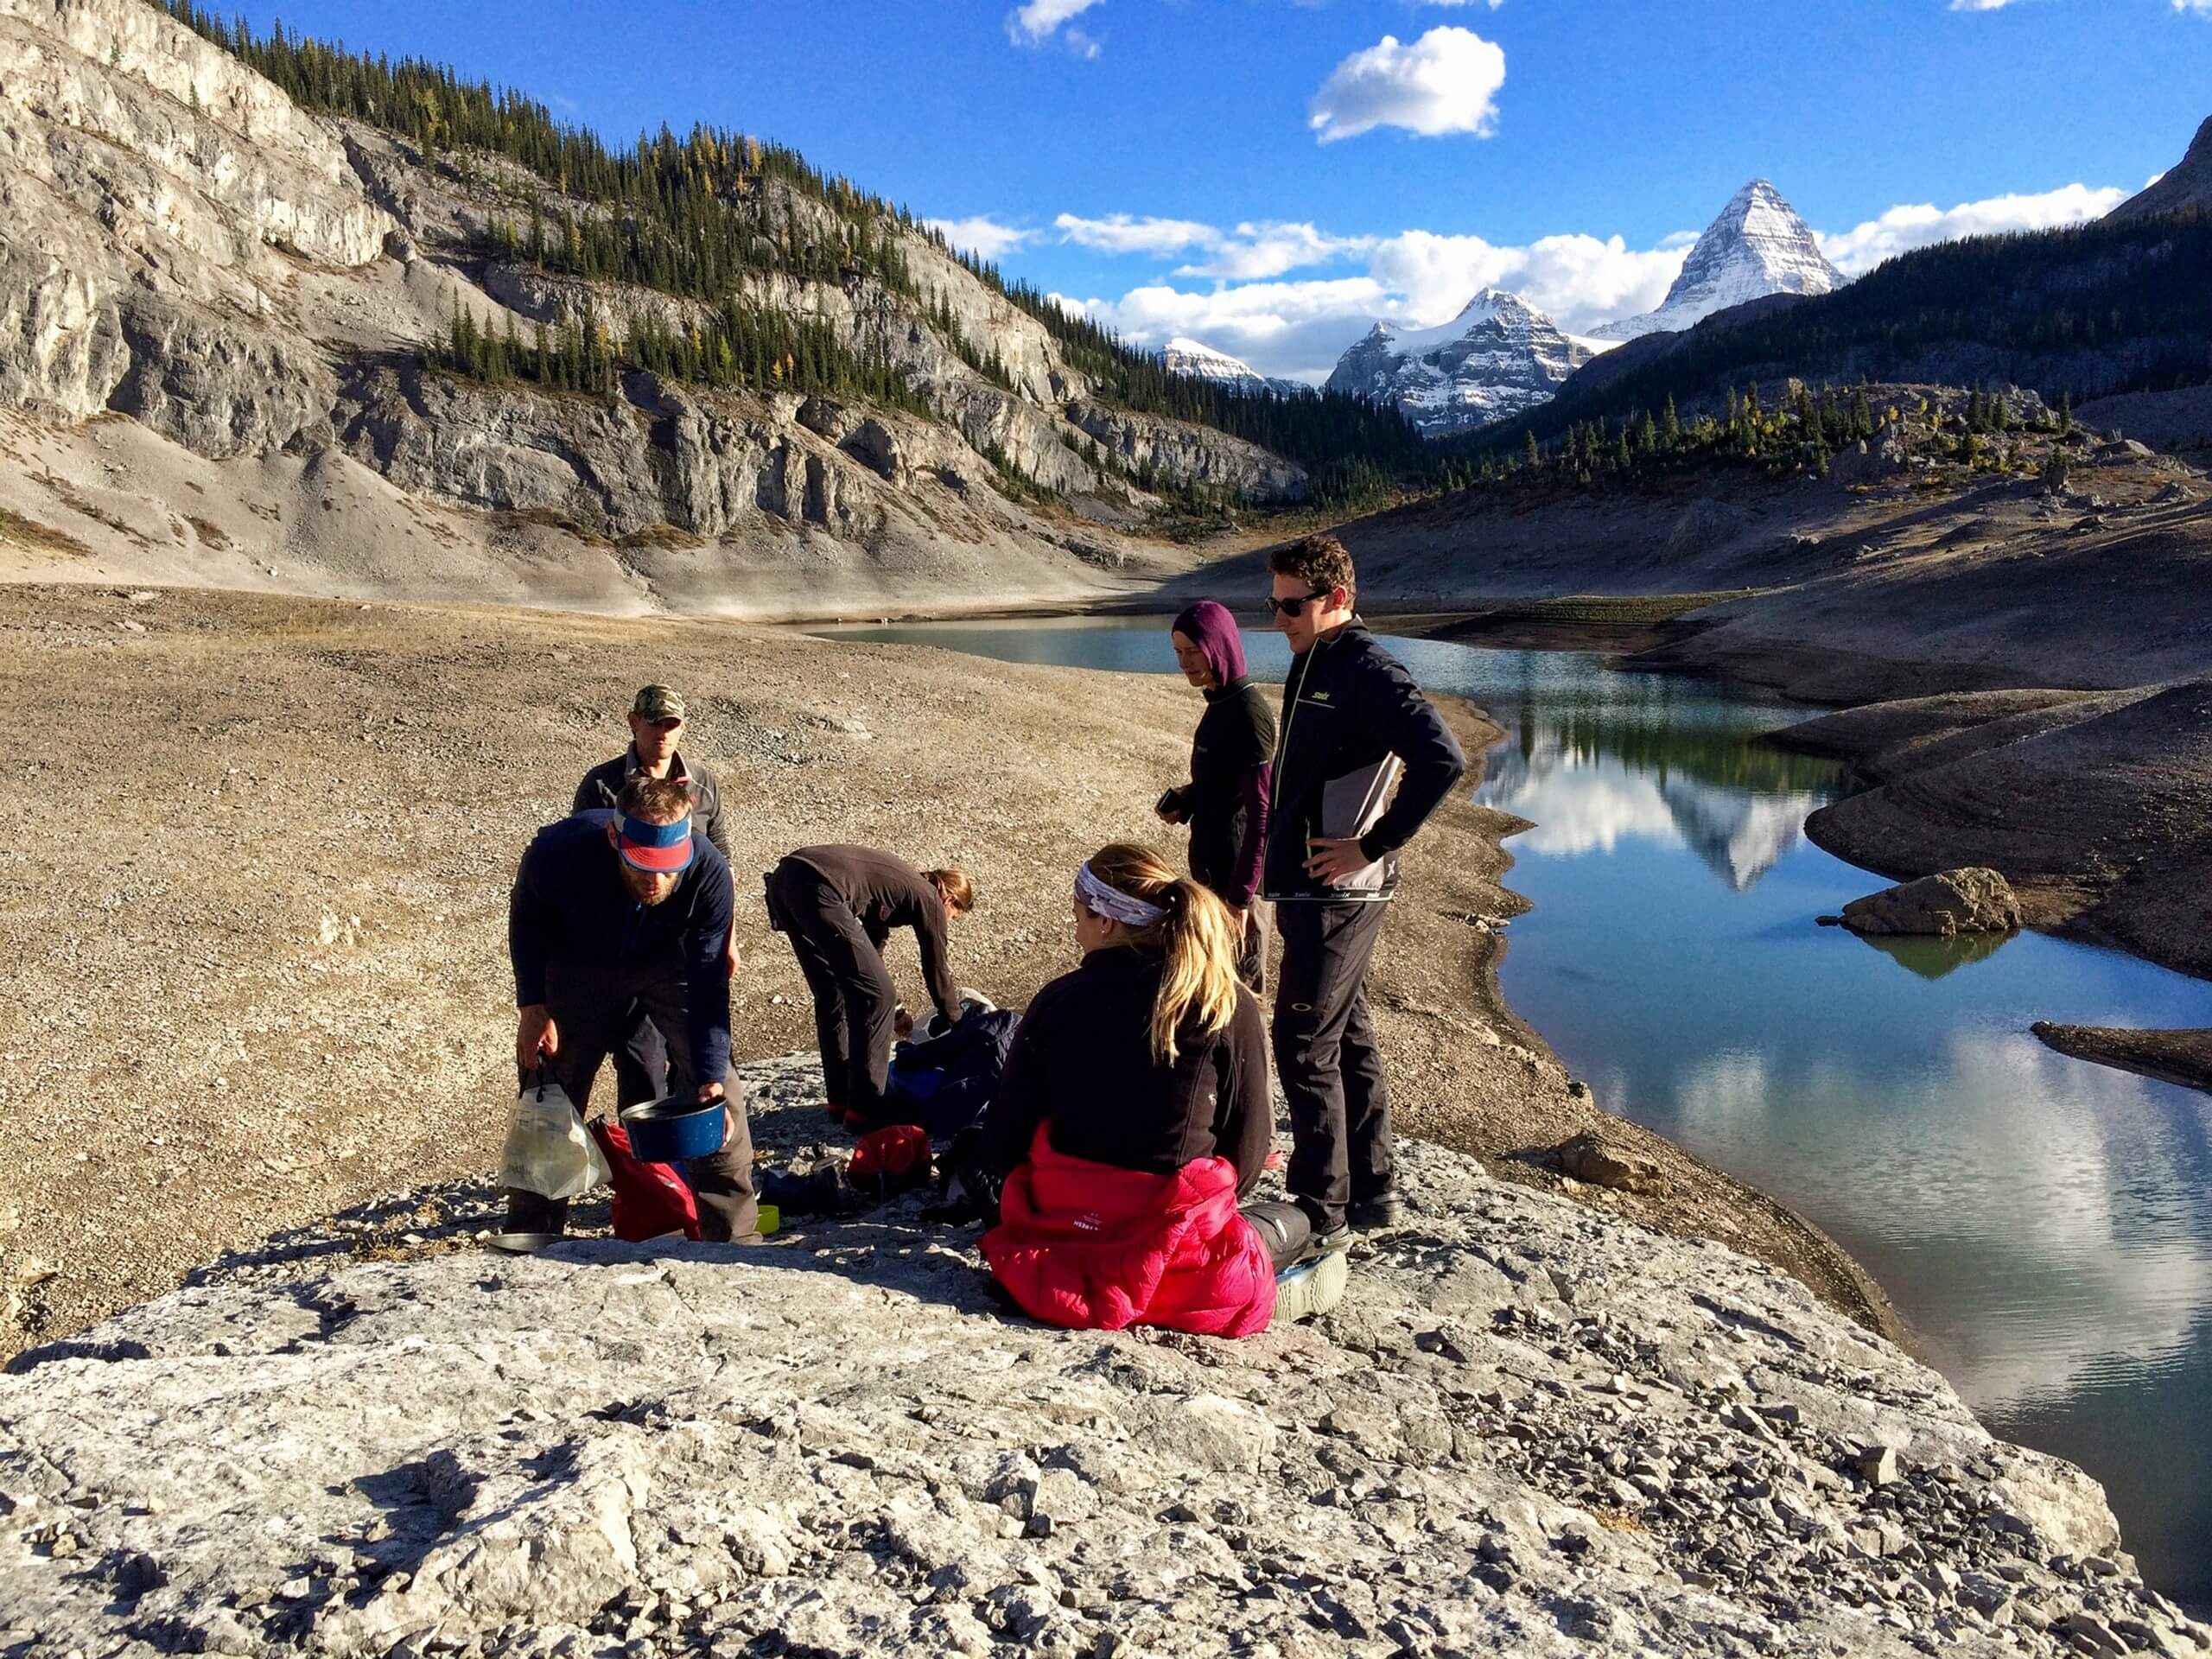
(1529, 1430)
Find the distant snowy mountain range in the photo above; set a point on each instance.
(1201, 362)
(1501, 357)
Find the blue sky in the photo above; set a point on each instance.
(1389, 156)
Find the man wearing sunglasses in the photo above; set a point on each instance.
(656, 721)
(1354, 724)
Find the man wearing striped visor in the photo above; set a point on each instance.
(618, 913)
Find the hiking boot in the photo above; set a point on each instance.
(528, 1213)
(1335, 1241)
(1386, 1208)
(1309, 1288)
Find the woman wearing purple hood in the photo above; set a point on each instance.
(1225, 802)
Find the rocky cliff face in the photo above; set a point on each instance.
(2189, 185)
(1529, 1430)
(1758, 246)
(155, 197)
(179, 244)
(1500, 357)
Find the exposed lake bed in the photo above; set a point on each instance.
(2040, 1221)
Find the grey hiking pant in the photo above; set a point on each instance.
(1325, 1054)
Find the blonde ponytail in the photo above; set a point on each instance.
(1196, 937)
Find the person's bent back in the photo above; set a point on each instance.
(1133, 1115)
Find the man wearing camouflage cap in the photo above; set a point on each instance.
(656, 721)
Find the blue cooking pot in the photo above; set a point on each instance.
(675, 1128)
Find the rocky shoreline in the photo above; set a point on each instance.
(1530, 1429)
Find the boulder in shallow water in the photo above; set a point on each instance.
(1950, 902)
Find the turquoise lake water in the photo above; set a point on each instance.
(2043, 1223)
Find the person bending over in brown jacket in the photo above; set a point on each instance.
(837, 905)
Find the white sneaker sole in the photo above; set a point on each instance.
(1311, 1288)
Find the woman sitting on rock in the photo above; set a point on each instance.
(1133, 1115)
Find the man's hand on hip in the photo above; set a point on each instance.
(535, 1034)
(1331, 859)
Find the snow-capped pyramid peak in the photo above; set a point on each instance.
(1758, 246)
(1499, 357)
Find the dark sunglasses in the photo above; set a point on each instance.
(666, 722)
(1294, 608)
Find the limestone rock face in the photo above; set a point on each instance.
(1212, 459)
(1528, 1429)
(1950, 902)
(181, 244)
(148, 179)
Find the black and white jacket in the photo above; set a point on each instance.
(1351, 716)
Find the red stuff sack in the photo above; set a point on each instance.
(650, 1200)
(890, 1161)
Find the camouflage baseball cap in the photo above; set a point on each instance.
(658, 702)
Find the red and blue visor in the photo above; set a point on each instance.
(656, 848)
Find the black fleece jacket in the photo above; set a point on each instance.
(885, 892)
(1083, 1062)
(569, 901)
(1346, 704)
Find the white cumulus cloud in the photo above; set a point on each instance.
(1040, 20)
(1578, 280)
(1417, 278)
(980, 234)
(1128, 233)
(1301, 328)
(1914, 225)
(1447, 82)
(1253, 252)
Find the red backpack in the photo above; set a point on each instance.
(650, 1200)
(890, 1161)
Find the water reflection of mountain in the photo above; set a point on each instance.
(1589, 780)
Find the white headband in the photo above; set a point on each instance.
(1112, 902)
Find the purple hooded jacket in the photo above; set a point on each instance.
(1226, 800)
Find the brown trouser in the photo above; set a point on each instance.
(595, 1009)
